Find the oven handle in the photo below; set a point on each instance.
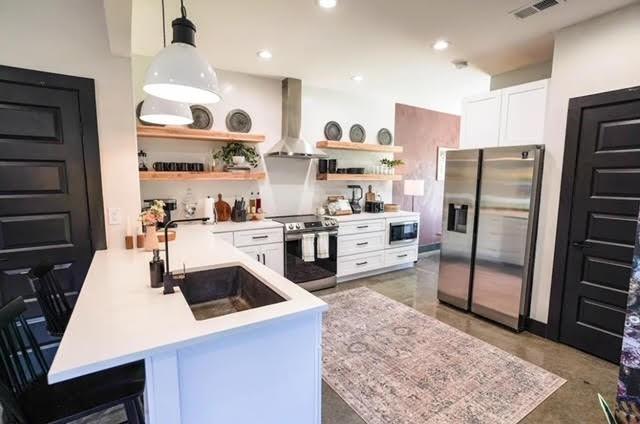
(291, 237)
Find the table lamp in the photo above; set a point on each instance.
(413, 188)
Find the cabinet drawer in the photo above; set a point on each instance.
(402, 255)
(251, 238)
(360, 263)
(359, 227)
(358, 243)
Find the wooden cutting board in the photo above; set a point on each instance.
(223, 210)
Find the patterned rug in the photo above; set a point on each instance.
(393, 364)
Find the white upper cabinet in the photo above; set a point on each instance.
(480, 124)
(507, 117)
(523, 114)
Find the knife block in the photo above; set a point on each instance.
(238, 215)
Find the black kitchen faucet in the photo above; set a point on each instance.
(167, 278)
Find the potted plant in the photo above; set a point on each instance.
(150, 219)
(231, 153)
(390, 164)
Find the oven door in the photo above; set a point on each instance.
(316, 275)
(403, 232)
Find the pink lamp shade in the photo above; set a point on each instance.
(414, 187)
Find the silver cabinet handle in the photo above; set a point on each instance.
(259, 237)
(264, 261)
(403, 256)
(364, 243)
(362, 263)
(362, 226)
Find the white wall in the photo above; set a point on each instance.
(291, 186)
(591, 57)
(535, 72)
(70, 37)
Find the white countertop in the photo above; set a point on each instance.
(118, 318)
(227, 226)
(366, 216)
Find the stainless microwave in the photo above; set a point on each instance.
(404, 232)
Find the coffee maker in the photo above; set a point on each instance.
(355, 202)
(169, 205)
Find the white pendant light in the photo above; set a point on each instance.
(166, 112)
(180, 72)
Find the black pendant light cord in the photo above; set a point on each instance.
(183, 9)
(164, 30)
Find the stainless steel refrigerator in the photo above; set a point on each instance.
(489, 227)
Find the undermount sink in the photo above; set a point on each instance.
(213, 292)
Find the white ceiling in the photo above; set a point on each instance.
(387, 41)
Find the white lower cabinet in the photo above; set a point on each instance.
(354, 264)
(359, 243)
(271, 255)
(401, 255)
(363, 247)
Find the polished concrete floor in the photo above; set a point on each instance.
(575, 402)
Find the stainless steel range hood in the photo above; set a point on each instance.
(291, 145)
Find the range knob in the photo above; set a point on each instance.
(297, 226)
(290, 226)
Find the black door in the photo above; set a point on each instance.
(48, 161)
(604, 205)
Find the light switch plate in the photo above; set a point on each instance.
(115, 216)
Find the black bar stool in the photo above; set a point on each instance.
(23, 370)
(53, 302)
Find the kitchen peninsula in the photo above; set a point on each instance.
(219, 370)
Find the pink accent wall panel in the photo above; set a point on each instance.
(420, 131)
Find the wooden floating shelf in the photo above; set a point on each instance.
(358, 177)
(182, 133)
(201, 176)
(360, 147)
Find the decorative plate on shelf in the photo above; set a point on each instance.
(384, 137)
(202, 118)
(238, 121)
(333, 131)
(149, 124)
(357, 134)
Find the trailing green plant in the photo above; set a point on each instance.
(611, 419)
(391, 163)
(228, 151)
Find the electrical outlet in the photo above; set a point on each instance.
(115, 216)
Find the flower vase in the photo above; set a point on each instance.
(151, 238)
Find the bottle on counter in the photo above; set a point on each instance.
(258, 203)
(252, 203)
(156, 269)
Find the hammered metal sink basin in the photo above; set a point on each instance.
(216, 292)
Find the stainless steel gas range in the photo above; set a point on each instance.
(313, 266)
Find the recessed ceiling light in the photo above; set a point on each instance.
(327, 4)
(441, 45)
(357, 78)
(264, 54)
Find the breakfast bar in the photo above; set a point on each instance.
(261, 364)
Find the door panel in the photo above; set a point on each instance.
(458, 227)
(507, 216)
(44, 204)
(605, 203)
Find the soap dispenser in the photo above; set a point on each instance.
(156, 269)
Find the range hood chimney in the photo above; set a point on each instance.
(291, 145)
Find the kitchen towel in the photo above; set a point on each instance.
(323, 245)
(209, 209)
(308, 247)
